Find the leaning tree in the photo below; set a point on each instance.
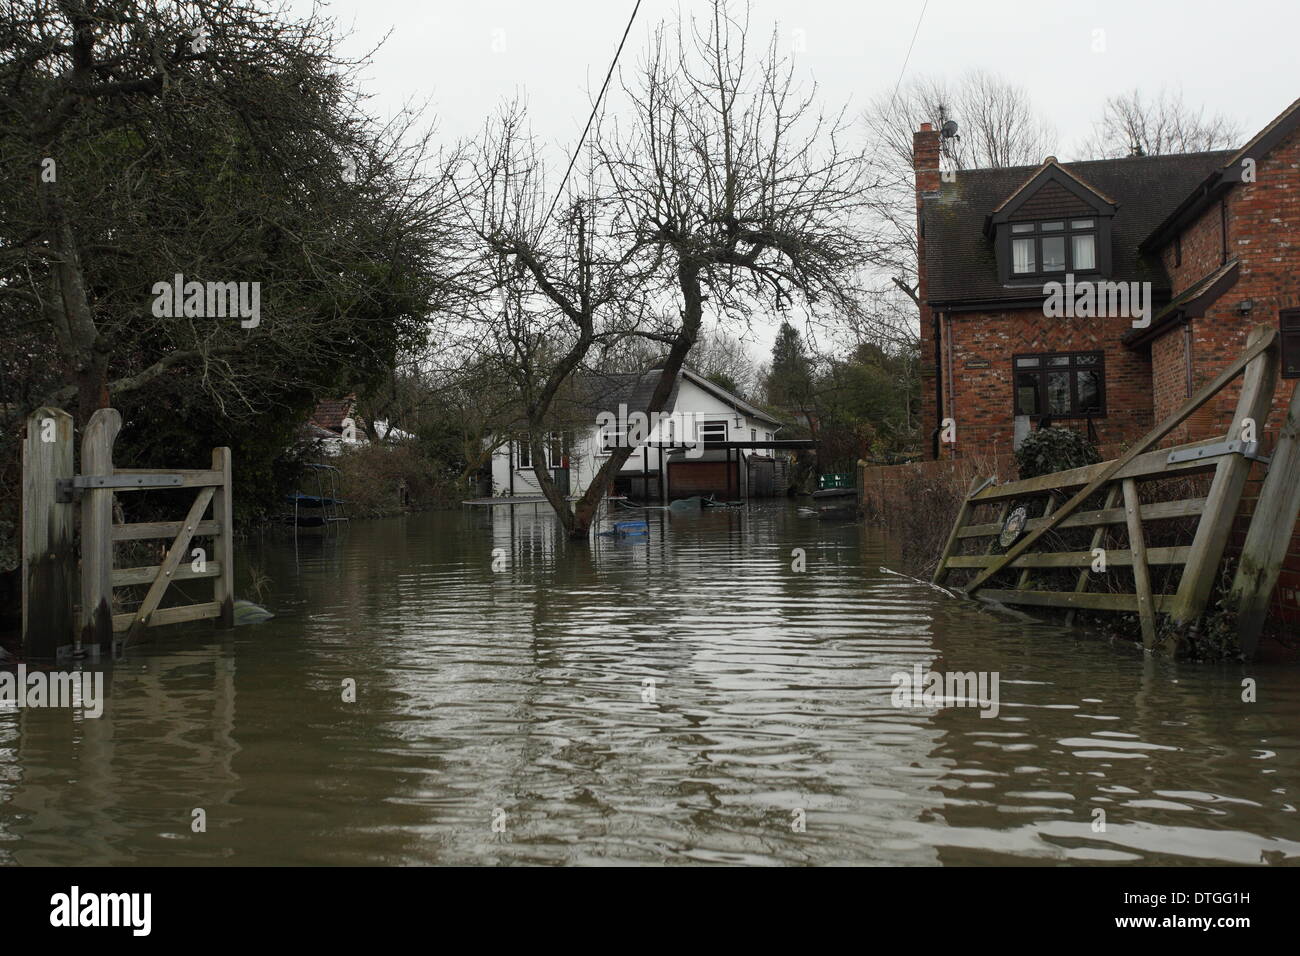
(718, 186)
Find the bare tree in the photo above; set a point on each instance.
(724, 190)
(1133, 125)
(996, 126)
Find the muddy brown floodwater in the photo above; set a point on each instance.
(686, 698)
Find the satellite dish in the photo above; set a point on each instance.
(949, 129)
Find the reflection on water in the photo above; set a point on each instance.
(686, 698)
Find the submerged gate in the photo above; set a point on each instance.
(53, 619)
(1159, 542)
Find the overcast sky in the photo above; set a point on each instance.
(465, 58)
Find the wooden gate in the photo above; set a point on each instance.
(51, 624)
(1066, 563)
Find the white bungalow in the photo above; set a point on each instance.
(677, 455)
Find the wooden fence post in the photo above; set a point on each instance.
(49, 557)
(223, 587)
(1271, 527)
(1229, 481)
(963, 518)
(1137, 546)
(97, 531)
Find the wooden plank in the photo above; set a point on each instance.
(161, 529)
(963, 516)
(175, 553)
(170, 615)
(1074, 559)
(123, 577)
(1069, 599)
(192, 479)
(1099, 535)
(49, 569)
(1225, 492)
(97, 532)
(1269, 536)
(1260, 341)
(1186, 508)
(1147, 465)
(223, 589)
(1141, 573)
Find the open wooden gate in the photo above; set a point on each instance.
(1057, 566)
(50, 493)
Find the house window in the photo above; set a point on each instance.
(1063, 385)
(1178, 250)
(1053, 247)
(711, 433)
(1290, 343)
(523, 454)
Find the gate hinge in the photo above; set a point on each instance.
(66, 489)
(1247, 449)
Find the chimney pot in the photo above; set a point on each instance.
(926, 127)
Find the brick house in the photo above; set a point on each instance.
(1216, 235)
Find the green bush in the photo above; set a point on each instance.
(1054, 449)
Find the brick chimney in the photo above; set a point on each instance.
(925, 164)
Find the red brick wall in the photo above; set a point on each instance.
(1263, 234)
(981, 402)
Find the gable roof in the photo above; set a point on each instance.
(331, 413)
(960, 259)
(1223, 177)
(735, 401)
(1050, 169)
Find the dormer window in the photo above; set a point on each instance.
(1053, 247)
(1054, 224)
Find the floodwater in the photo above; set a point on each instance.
(686, 698)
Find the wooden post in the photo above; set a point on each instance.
(1137, 544)
(97, 531)
(49, 557)
(1270, 532)
(1022, 582)
(223, 587)
(963, 517)
(1098, 536)
(1225, 491)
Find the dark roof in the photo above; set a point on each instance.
(961, 265)
(1223, 176)
(1190, 303)
(595, 392)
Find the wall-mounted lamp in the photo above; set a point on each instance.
(1245, 306)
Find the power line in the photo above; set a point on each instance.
(899, 81)
(595, 106)
(889, 110)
